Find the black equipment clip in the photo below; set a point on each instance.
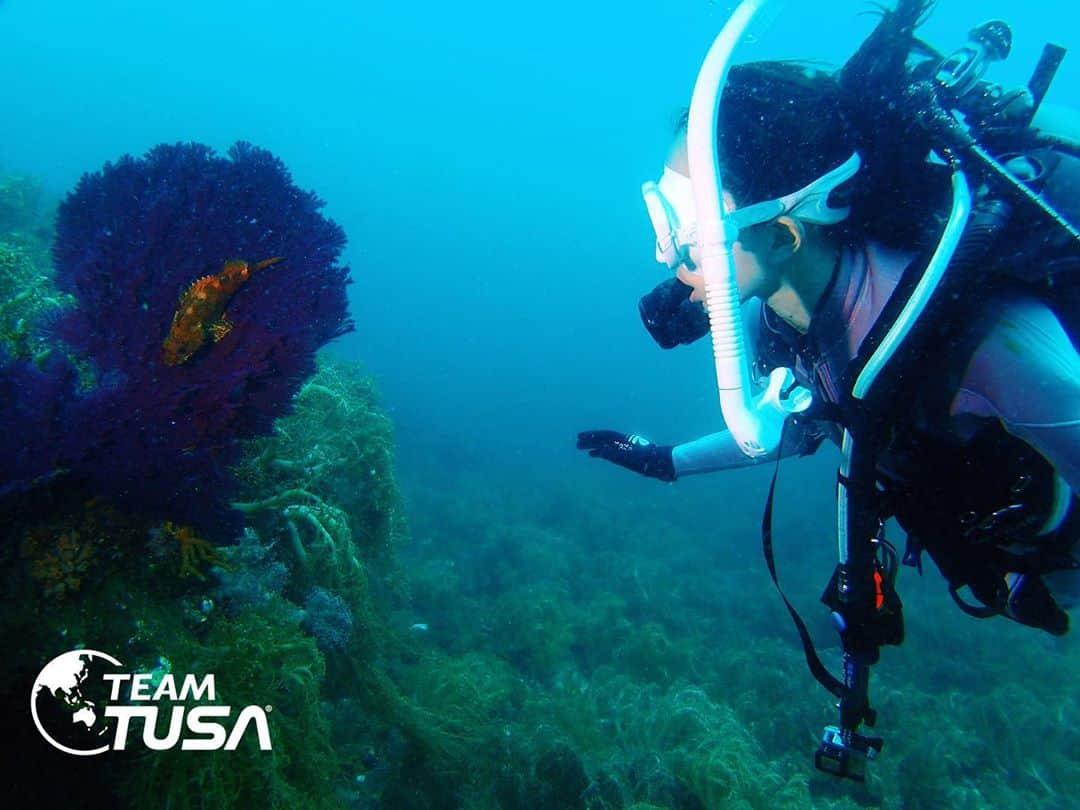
(868, 615)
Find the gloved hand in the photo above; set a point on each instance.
(630, 451)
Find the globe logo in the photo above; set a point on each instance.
(66, 702)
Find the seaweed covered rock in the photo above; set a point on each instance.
(322, 487)
(28, 302)
(26, 215)
(336, 448)
(557, 781)
(260, 658)
(33, 379)
(20, 196)
(302, 634)
(85, 583)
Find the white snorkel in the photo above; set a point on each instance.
(755, 420)
(688, 212)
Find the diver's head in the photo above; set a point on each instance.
(781, 126)
(784, 149)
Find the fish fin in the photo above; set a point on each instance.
(193, 286)
(220, 328)
(268, 262)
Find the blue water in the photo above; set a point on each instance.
(484, 159)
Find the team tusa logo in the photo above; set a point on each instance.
(84, 703)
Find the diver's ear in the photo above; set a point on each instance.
(788, 237)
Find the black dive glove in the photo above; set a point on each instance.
(630, 451)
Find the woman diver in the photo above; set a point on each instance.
(975, 433)
(909, 230)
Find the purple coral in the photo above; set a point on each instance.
(328, 619)
(253, 577)
(130, 239)
(32, 404)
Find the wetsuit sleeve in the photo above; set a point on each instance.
(1026, 372)
(719, 451)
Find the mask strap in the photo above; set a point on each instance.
(809, 203)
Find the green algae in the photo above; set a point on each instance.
(561, 655)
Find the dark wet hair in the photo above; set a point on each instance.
(784, 124)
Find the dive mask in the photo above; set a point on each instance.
(670, 203)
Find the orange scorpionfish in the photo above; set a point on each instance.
(201, 314)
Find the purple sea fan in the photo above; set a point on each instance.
(32, 404)
(130, 240)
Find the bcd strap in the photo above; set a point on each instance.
(871, 613)
(817, 669)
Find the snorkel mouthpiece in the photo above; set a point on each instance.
(755, 420)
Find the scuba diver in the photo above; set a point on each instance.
(909, 229)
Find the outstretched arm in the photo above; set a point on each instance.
(717, 451)
(712, 453)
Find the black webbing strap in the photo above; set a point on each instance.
(817, 669)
